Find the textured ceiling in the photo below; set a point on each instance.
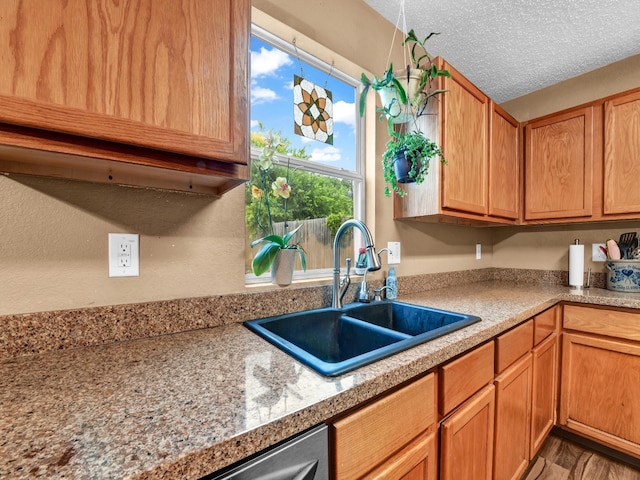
(512, 47)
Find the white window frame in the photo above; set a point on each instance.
(357, 176)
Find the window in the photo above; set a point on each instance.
(327, 180)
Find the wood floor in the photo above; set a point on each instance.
(561, 459)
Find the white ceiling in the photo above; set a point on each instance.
(512, 47)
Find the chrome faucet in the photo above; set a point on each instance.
(373, 262)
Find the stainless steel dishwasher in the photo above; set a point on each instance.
(303, 457)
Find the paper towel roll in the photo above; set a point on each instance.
(576, 265)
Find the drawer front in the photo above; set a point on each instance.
(544, 324)
(600, 321)
(367, 437)
(461, 378)
(514, 344)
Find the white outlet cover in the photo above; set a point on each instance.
(393, 256)
(124, 255)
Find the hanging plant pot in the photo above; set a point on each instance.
(282, 267)
(402, 167)
(398, 111)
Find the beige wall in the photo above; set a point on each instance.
(53, 250)
(53, 233)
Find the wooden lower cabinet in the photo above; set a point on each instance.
(392, 437)
(543, 395)
(513, 410)
(600, 390)
(467, 439)
(417, 461)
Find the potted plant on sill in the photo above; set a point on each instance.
(277, 253)
(405, 93)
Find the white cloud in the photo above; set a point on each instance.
(267, 62)
(254, 123)
(262, 95)
(344, 112)
(326, 154)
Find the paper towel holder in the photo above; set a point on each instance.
(576, 265)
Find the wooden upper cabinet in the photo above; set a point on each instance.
(622, 154)
(479, 140)
(465, 124)
(504, 171)
(559, 165)
(163, 75)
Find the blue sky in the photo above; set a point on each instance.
(272, 104)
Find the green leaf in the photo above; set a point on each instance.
(363, 98)
(287, 237)
(264, 258)
(277, 239)
(402, 95)
(303, 258)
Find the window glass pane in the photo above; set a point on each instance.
(324, 182)
(272, 72)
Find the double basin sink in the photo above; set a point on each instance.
(335, 341)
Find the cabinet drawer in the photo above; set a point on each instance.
(512, 345)
(613, 323)
(367, 437)
(463, 377)
(544, 324)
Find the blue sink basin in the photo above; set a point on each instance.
(334, 342)
(410, 319)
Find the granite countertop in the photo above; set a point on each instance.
(184, 405)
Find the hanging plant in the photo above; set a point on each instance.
(414, 148)
(406, 92)
(405, 106)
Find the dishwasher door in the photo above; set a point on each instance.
(304, 457)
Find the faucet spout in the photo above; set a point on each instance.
(373, 261)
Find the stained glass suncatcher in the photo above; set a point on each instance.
(312, 111)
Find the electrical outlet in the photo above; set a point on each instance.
(124, 255)
(393, 256)
(478, 251)
(597, 255)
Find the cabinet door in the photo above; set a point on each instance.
(600, 390)
(366, 439)
(504, 171)
(465, 126)
(622, 154)
(543, 397)
(170, 75)
(467, 439)
(559, 166)
(513, 408)
(417, 461)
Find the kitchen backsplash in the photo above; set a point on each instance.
(32, 333)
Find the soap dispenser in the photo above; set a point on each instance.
(392, 283)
